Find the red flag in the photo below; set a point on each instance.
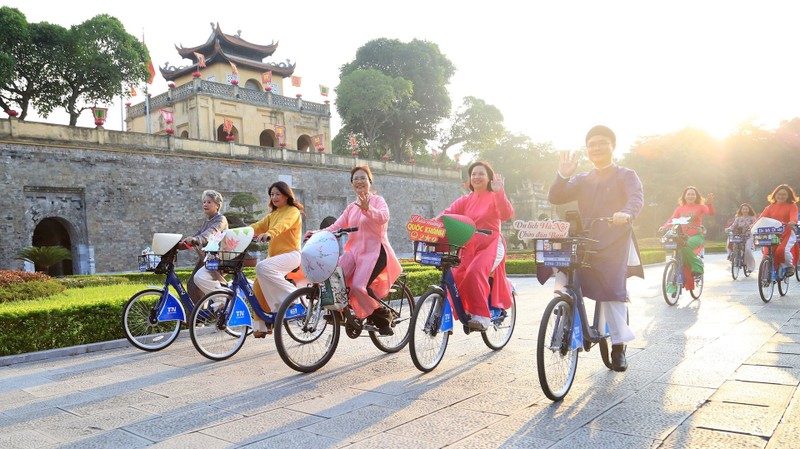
(233, 69)
(266, 77)
(201, 59)
(296, 81)
(133, 92)
(227, 126)
(317, 141)
(323, 90)
(149, 64)
(280, 131)
(353, 142)
(168, 116)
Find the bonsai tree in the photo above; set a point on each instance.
(245, 215)
(44, 257)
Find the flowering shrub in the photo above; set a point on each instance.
(8, 277)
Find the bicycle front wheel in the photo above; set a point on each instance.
(499, 333)
(306, 342)
(783, 285)
(209, 329)
(698, 287)
(765, 286)
(670, 288)
(556, 361)
(140, 325)
(401, 301)
(427, 343)
(736, 264)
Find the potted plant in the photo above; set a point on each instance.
(245, 215)
(44, 257)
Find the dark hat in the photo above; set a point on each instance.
(601, 130)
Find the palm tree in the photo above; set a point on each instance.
(44, 257)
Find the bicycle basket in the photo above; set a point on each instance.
(434, 254)
(766, 239)
(735, 238)
(149, 262)
(561, 253)
(225, 261)
(670, 242)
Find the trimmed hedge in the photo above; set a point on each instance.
(31, 290)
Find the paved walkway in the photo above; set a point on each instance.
(721, 372)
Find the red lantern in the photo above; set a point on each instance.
(268, 88)
(231, 138)
(170, 131)
(320, 149)
(354, 153)
(385, 157)
(327, 101)
(283, 144)
(12, 113)
(128, 104)
(412, 161)
(171, 84)
(298, 95)
(234, 82)
(196, 74)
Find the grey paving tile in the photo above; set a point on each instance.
(765, 358)
(649, 420)
(390, 441)
(191, 441)
(167, 426)
(503, 400)
(603, 439)
(334, 403)
(767, 374)
(25, 439)
(261, 426)
(769, 395)
(80, 427)
(687, 436)
(787, 433)
(114, 438)
(446, 426)
(740, 418)
(296, 439)
(547, 422)
(365, 422)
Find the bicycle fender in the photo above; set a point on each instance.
(172, 309)
(577, 330)
(240, 314)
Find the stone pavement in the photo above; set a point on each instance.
(720, 372)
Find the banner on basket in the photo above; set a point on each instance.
(544, 229)
(422, 229)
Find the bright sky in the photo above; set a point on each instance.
(553, 68)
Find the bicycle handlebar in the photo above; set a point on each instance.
(484, 231)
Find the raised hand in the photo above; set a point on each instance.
(567, 163)
(498, 182)
(710, 198)
(261, 238)
(363, 200)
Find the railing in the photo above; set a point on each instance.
(228, 92)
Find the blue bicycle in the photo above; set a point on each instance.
(222, 320)
(673, 281)
(432, 320)
(768, 273)
(151, 319)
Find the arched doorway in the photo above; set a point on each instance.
(52, 232)
(223, 137)
(185, 135)
(267, 138)
(304, 143)
(252, 84)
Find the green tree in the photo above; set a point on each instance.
(29, 59)
(476, 125)
(101, 60)
(44, 257)
(521, 161)
(420, 62)
(368, 101)
(244, 201)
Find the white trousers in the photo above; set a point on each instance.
(789, 260)
(271, 274)
(613, 313)
(207, 280)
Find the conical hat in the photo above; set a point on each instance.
(164, 242)
(236, 240)
(319, 256)
(458, 228)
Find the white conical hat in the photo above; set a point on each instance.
(236, 240)
(320, 255)
(164, 242)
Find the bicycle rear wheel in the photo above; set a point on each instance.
(499, 333)
(208, 327)
(766, 287)
(427, 343)
(140, 325)
(556, 361)
(401, 301)
(698, 287)
(306, 342)
(670, 288)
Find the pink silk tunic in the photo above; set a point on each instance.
(362, 250)
(488, 209)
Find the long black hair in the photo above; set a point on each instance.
(286, 191)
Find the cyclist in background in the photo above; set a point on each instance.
(694, 206)
(608, 190)
(742, 222)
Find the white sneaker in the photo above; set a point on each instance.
(480, 322)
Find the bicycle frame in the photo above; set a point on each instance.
(239, 314)
(580, 327)
(169, 307)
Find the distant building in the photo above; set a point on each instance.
(202, 99)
